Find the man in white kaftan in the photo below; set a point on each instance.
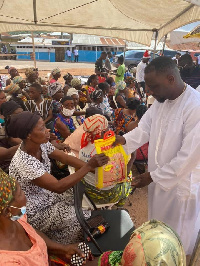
(172, 128)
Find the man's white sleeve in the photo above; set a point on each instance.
(140, 73)
(140, 135)
(182, 165)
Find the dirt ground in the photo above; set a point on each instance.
(138, 210)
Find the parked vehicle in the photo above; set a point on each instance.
(133, 57)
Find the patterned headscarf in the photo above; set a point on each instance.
(75, 82)
(93, 126)
(10, 68)
(7, 187)
(12, 88)
(120, 85)
(17, 79)
(154, 243)
(29, 72)
(54, 87)
(129, 80)
(72, 91)
(96, 94)
(55, 71)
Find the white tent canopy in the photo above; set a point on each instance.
(133, 20)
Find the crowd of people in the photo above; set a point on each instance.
(153, 113)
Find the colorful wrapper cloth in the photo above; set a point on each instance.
(7, 187)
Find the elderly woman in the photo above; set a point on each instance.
(94, 128)
(55, 90)
(14, 93)
(131, 89)
(120, 97)
(55, 74)
(78, 118)
(122, 117)
(49, 201)
(20, 244)
(153, 243)
(83, 93)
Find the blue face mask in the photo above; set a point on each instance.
(17, 217)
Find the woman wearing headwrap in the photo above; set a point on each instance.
(13, 72)
(78, 118)
(55, 91)
(14, 93)
(154, 243)
(120, 97)
(131, 89)
(83, 93)
(95, 126)
(20, 244)
(55, 75)
(68, 78)
(49, 201)
(22, 84)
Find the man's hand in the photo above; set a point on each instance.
(142, 180)
(119, 140)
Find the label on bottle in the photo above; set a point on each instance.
(102, 229)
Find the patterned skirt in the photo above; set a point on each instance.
(118, 193)
(59, 221)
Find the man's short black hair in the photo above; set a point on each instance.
(161, 64)
(103, 53)
(121, 59)
(37, 86)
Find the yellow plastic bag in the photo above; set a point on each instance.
(115, 171)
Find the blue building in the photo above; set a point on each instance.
(52, 49)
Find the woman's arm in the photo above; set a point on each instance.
(121, 101)
(6, 154)
(62, 128)
(49, 182)
(59, 249)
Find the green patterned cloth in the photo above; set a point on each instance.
(7, 187)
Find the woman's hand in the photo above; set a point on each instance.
(142, 180)
(98, 160)
(70, 250)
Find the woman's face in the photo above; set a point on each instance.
(75, 99)
(112, 91)
(95, 82)
(69, 104)
(58, 95)
(78, 87)
(40, 134)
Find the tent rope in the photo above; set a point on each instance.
(71, 9)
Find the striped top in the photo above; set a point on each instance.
(43, 107)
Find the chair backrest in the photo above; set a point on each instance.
(79, 190)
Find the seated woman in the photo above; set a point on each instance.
(68, 78)
(14, 93)
(83, 93)
(131, 89)
(153, 243)
(55, 75)
(94, 127)
(122, 117)
(77, 117)
(55, 90)
(92, 82)
(63, 124)
(20, 244)
(120, 97)
(49, 201)
(105, 105)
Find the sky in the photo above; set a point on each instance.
(190, 26)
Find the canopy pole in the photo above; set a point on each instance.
(33, 50)
(124, 51)
(156, 38)
(164, 42)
